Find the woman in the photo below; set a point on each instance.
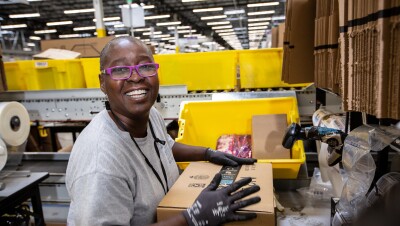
(123, 162)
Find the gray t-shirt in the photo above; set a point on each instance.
(109, 181)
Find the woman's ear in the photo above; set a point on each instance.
(102, 85)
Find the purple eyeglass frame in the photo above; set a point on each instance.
(136, 67)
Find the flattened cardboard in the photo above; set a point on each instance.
(88, 47)
(267, 134)
(198, 175)
(57, 54)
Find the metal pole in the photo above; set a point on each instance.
(99, 15)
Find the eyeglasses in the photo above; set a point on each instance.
(125, 72)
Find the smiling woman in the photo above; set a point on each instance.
(118, 173)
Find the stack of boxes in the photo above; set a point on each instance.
(370, 56)
(326, 45)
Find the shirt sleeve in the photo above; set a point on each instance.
(101, 199)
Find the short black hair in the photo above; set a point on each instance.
(104, 52)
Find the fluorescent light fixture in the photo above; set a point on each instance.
(193, 0)
(45, 31)
(136, 5)
(218, 23)
(186, 31)
(169, 38)
(221, 27)
(157, 17)
(224, 30)
(119, 25)
(73, 11)
(213, 17)
(194, 35)
(154, 33)
(278, 18)
(34, 0)
(261, 13)
(35, 38)
(59, 23)
(146, 40)
(84, 28)
(31, 44)
(257, 24)
(162, 36)
(208, 10)
(109, 18)
(121, 35)
(112, 23)
(142, 29)
(179, 27)
(169, 23)
(257, 28)
(148, 7)
(221, 48)
(233, 12)
(26, 15)
(70, 36)
(259, 19)
(13, 26)
(27, 49)
(263, 4)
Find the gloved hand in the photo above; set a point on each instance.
(221, 158)
(215, 207)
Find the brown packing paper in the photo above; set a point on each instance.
(199, 174)
(274, 37)
(267, 133)
(281, 31)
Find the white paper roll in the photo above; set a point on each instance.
(14, 123)
(3, 154)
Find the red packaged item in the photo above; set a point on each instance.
(237, 145)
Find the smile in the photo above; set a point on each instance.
(140, 93)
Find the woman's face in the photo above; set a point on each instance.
(133, 97)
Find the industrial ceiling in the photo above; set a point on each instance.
(249, 20)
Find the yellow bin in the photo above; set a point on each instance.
(262, 69)
(199, 71)
(202, 123)
(91, 70)
(44, 74)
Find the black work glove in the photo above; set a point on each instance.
(215, 207)
(221, 158)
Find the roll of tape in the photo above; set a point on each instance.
(14, 123)
(3, 154)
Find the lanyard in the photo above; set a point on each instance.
(156, 140)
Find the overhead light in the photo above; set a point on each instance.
(70, 36)
(136, 5)
(109, 18)
(26, 15)
(121, 35)
(259, 19)
(257, 28)
(154, 33)
(13, 26)
(208, 10)
(218, 23)
(161, 36)
(221, 48)
(59, 23)
(84, 28)
(263, 4)
(119, 25)
(179, 27)
(79, 11)
(221, 27)
(193, 0)
(112, 23)
(35, 38)
(34, 0)
(146, 40)
(142, 29)
(169, 38)
(233, 12)
(278, 17)
(257, 24)
(261, 13)
(156, 17)
(31, 44)
(224, 30)
(45, 31)
(213, 17)
(186, 31)
(169, 23)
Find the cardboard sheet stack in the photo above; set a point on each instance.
(370, 56)
(326, 45)
(277, 36)
(298, 46)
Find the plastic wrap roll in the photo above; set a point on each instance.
(14, 123)
(3, 154)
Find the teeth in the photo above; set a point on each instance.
(137, 92)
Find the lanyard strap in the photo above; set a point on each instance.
(144, 156)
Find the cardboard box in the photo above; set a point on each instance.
(198, 175)
(266, 133)
(88, 47)
(57, 54)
